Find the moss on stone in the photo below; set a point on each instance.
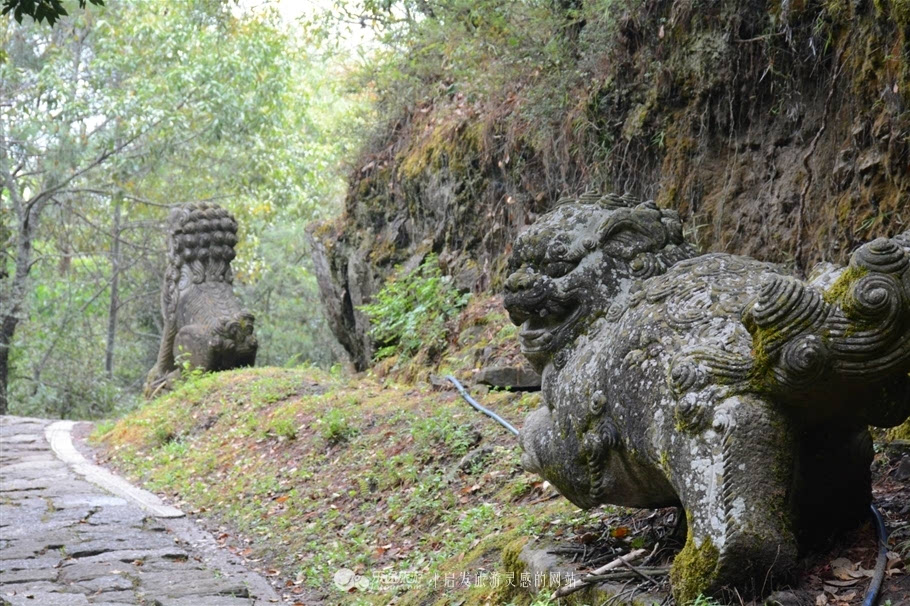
(841, 287)
(665, 461)
(454, 144)
(510, 556)
(761, 378)
(901, 432)
(694, 569)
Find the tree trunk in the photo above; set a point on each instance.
(6, 337)
(13, 296)
(115, 294)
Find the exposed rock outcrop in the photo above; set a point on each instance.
(777, 130)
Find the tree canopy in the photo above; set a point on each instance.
(111, 117)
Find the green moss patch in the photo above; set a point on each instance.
(901, 432)
(694, 569)
(838, 292)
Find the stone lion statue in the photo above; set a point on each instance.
(716, 382)
(204, 323)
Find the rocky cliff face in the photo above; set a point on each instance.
(779, 130)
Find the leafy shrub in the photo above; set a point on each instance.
(283, 427)
(411, 311)
(443, 428)
(335, 427)
(188, 373)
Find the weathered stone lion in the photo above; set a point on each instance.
(716, 382)
(204, 323)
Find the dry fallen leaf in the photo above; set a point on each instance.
(847, 597)
(841, 569)
(821, 600)
(620, 532)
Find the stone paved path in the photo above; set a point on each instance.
(64, 541)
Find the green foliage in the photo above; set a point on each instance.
(474, 56)
(188, 373)
(443, 428)
(136, 106)
(40, 10)
(459, 46)
(334, 426)
(51, 371)
(284, 427)
(411, 311)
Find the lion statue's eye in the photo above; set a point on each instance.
(558, 269)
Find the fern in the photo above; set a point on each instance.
(411, 311)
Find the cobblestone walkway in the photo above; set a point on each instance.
(64, 541)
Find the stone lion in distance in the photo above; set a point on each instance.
(205, 325)
(716, 382)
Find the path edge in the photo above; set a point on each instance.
(59, 436)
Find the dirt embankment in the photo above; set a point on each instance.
(778, 129)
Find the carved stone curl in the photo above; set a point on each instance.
(204, 323)
(720, 383)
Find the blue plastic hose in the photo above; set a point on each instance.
(881, 562)
(476, 405)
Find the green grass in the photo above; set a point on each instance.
(318, 472)
(335, 427)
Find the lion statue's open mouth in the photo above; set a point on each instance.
(545, 315)
(538, 335)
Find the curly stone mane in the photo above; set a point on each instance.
(202, 237)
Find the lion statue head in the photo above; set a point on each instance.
(580, 258)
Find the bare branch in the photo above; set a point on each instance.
(108, 193)
(36, 200)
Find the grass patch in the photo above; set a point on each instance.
(315, 472)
